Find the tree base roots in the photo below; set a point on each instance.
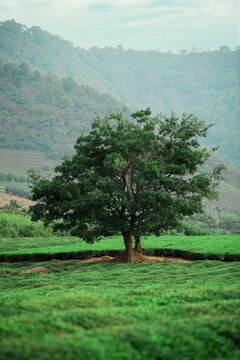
(135, 257)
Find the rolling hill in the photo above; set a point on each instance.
(44, 112)
(204, 83)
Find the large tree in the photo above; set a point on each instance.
(136, 176)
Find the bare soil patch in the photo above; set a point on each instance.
(39, 269)
(140, 258)
(162, 259)
(108, 259)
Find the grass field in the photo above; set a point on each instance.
(120, 311)
(75, 310)
(204, 244)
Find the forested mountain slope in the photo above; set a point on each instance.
(204, 83)
(44, 112)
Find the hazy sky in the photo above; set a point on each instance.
(140, 24)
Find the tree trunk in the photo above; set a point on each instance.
(137, 246)
(130, 257)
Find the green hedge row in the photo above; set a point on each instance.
(82, 255)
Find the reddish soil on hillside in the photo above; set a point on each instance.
(6, 198)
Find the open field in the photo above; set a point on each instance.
(206, 244)
(120, 311)
(21, 249)
(74, 310)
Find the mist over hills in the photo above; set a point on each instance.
(206, 83)
(44, 112)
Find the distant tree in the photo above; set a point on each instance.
(230, 223)
(15, 190)
(69, 85)
(33, 176)
(225, 48)
(22, 178)
(10, 177)
(24, 70)
(135, 176)
(204, 220)
(183, 52)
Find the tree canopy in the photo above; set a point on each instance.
(135, 176)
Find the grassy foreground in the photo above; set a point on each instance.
(120, 311)
(203, 244)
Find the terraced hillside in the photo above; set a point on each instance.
(19, 161)
(228, 201)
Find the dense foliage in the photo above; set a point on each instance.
(19, 191)
(13, 177)
(20, 225)
(206, 223)
(44, 112)
(131, 176)
(204, 83)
